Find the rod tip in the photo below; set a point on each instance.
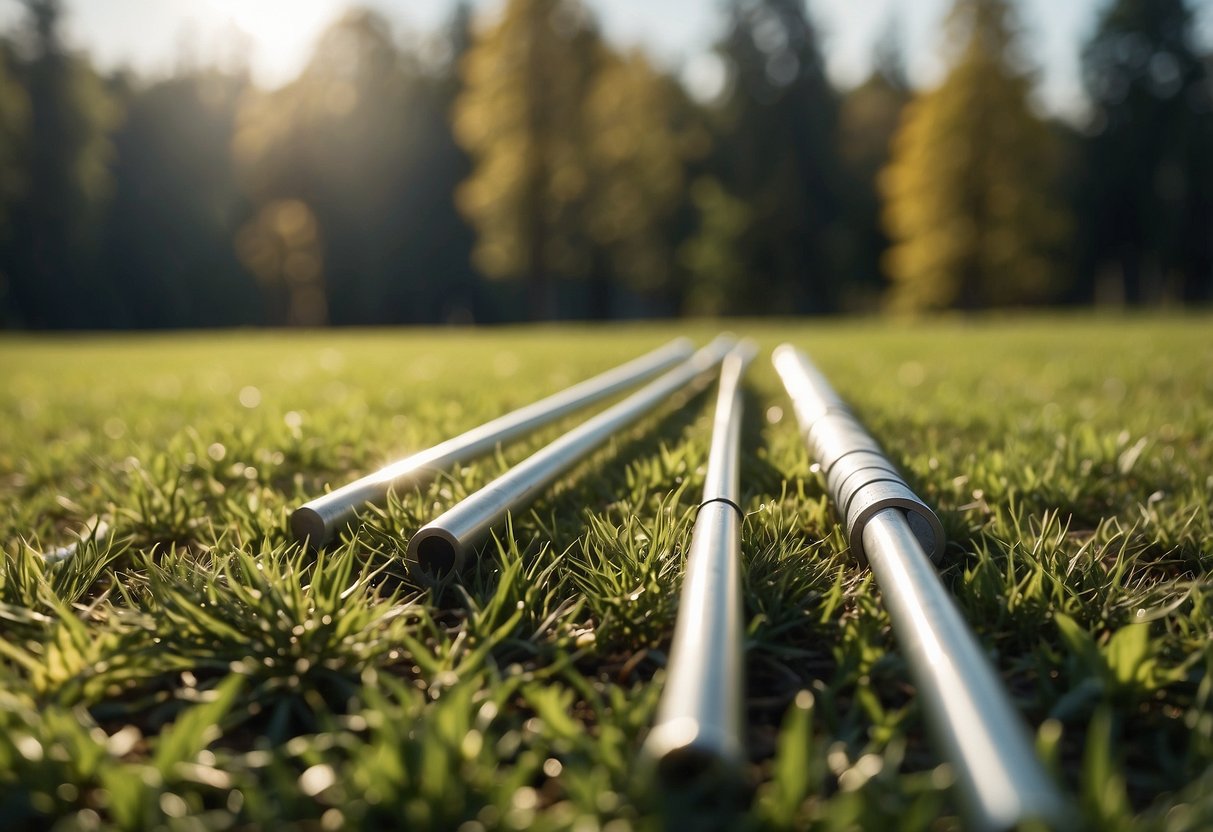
(686, 766)
(433, 553)
(307, 526)
(745, 350)
(685, 752)
(783, 357)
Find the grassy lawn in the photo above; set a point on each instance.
(199, 671)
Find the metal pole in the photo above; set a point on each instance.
(96, 529)
(699, 722)
(442, 545)
(319, 520)
(1000, 781)
(860, 478)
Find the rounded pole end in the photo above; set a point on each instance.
(684, 751)
(744, 351)
(783, 349)
(434, 552)
(307, 526)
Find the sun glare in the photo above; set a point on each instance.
(281, 31)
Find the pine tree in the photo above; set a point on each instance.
(51, 258)
(14, 141)
(176, 206)
(641, 133)
(970, 190)
(14, 146)
(453, 291)
(1147, 195)
(713, 255)
(868, 120)
(336, 165)
(522, 119)
(777, 152)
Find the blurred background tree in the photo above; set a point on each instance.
(50, 257)
(526, 166)
(642, 132)
(360, 141)
(522, 118)
(176, 206)
(971, 190)
(868, 120)
(14, 149)
(714, 256)
(1147, 190)
(776, 151)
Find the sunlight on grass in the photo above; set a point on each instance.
(196, 661)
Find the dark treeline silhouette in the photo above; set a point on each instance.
(524, 168)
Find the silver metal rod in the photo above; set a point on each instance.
(319, 520)
(861, 479)
(999, 779)
(722, 480)
(95, 529)
(699, 722)
(442, 545)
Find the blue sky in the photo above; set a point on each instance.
(149, 34)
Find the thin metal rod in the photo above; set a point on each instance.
(319, 520)
(722, 480)
(699, 722)
(1000, 781)
(443, 544)
(860, 477)
(96, 530)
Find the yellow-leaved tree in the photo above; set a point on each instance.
(971, 201)
(520, 117)
(578, 157)
(642, 130)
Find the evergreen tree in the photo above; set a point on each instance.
(14, 139)
(51, 257)
(868, 120)
(777, 152)
(1147, 197)
(970, 191)
(338, 164)
(176, 207)
(441, 255)
(713, 255)
(522, 118)
(14, 146)
(641, 133)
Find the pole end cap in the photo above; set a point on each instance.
(432, 553)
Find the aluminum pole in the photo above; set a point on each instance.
(319, 520)
(999, 779)
(699, 721)
(1001, 783)
(860, 478)
(96, 530)
(443, 544)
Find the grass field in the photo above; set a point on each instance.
(199, 671)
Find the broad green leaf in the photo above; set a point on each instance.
(1128, 655)
(195, 729)
(791, 772)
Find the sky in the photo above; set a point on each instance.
(151, 35)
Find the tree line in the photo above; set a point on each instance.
(526, 168)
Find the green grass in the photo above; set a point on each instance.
(199, 671)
